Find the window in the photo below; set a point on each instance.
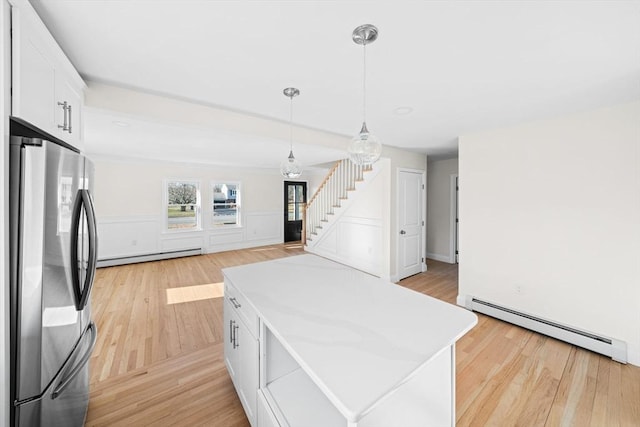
(226, 204)
(183, 205)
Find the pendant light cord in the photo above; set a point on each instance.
(364, 83)
(291, 125)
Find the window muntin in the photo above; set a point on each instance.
(226, 204)
(183, 205)
(295, 202)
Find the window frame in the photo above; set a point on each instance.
(238, 203)
(198, 205)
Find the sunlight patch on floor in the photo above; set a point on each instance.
(195, 293)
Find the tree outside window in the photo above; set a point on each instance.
(183, 205)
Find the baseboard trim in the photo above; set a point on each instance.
(110, 262)
(438, 257)
(608, 346)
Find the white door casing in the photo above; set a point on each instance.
(453, 219)
(411, 236)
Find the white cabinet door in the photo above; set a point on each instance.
(248, 367)
(231, 355)
(33, 75)
(46, 90)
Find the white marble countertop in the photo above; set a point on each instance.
(357, 336)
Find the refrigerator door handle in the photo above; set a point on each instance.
(75, 370)
(83, 198)
(87, 201)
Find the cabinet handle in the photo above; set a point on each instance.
(235, 336)
(69, 110)
(230, 331)
(235, 303)
(64, 126)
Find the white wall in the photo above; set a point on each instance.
(399, 159)
(439, 208)
(130, 210)
(553, 208)
(5, 108)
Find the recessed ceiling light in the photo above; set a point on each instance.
(403, 111)
(121, 124)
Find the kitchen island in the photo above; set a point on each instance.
(310, 342)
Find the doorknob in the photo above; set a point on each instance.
(403, 232)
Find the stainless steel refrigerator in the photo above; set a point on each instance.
(53, 259)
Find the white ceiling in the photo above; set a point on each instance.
(460, 66)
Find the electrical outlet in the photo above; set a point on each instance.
(519, 289)
(134, 242)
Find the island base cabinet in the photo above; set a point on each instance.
(340, 348)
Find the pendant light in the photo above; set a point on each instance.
(290, 168)
(364, 149)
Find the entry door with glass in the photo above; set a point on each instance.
(295, 197)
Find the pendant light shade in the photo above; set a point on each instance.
(290, 167)
(364, 149)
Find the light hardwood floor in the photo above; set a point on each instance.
(158, 360)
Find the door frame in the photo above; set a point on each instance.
(423, 213)
(453, 216)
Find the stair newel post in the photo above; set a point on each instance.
(342, 178)
(323, 204)
(326, 200)
(345, 176)
(340, 186)
(333, 191)
(329, 189)
(314, 218)
(304, 224)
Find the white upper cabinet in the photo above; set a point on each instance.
(47, 91)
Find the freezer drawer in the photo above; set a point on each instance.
(65, 401)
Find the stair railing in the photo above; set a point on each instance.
(339, 181)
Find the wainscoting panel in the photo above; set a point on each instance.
(226, 237)
(356, 242)
(128, 236)
(124, 237)
(264, 225)
(176, 242)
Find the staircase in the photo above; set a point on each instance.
(332, 198)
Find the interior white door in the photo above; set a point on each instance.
(410, 223)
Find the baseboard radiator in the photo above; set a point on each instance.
(110, 262)
(610, 347)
